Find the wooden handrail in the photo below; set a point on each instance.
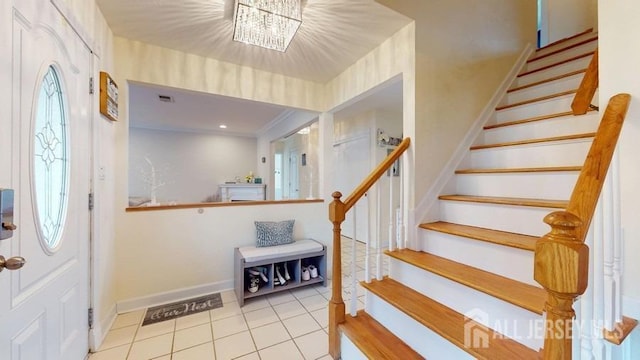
(561, 257)
(337, 214)
(586, 91)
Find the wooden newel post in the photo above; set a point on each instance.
(562, 268)
(336, 304)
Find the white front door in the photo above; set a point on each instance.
(294, 171)
(43, 306)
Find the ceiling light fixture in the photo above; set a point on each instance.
(223, 126)
(267, 23)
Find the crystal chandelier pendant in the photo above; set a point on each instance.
(267, 23)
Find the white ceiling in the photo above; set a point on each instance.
(333, 35)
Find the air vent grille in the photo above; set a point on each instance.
(165, 98)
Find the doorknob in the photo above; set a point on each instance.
(13, 263)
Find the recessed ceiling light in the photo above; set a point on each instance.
(223, 126)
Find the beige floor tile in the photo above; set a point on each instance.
(313, 345)
(117, 337)
(300, 325)
(304, 292)
(314, 302)
(116, 353)
(192, 320)
(229, 309)
(200, 352)
(280, 298)
(128, 319)
(151, 348)
(191, 337)
(152, 330)
(290, 309)
(228, 296)
(234, 346)
(163, 357)
(229, 326)
(255, 304)
(284, 351)
(261, 317)
(252, 356)
(326, 357)
(269, 335)
(321, 316)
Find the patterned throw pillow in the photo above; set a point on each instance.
(271, 233)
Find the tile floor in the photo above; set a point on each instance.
(286, 325)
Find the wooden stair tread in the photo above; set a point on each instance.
(446, 322)
(519, 170)
(528, 120)
(519, 241)
(564, 39)
(556, 64)
(553, 78)
(515, 292)
(544, 203)
(374, 340)
(535, 100)
(579, 43)
(535, 141)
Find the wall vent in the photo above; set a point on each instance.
(165, 98)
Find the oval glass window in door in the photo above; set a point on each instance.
(50, 162)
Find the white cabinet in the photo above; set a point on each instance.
(242, 192)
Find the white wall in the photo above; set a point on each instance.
(191, 164)
(619, 72)
(565, 18)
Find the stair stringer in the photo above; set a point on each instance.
(427, 209)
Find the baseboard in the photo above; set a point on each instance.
(101, 328)
(144, 302)
(426, 209)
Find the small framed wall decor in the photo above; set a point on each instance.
(108, 97)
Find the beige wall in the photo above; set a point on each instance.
(619, 72)
(565, 18)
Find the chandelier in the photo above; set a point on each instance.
(267, 23)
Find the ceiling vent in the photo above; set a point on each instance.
(165, 98)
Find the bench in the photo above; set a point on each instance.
(294, 256)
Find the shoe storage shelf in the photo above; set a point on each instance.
(304, 261)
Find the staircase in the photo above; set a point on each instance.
(469, 291)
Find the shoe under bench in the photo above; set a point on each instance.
(294, 256)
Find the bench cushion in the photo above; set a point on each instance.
(252, 253)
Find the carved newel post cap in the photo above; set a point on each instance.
(336, 195)
(561, 259)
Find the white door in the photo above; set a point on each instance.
(294, 173)
(352, 164)
(43, 306)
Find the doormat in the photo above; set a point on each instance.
(182, 308)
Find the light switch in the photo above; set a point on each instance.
(6, 214)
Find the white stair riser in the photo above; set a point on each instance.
(565, 125)
(518, 219)
(420, 338)
(548, 185)
(552, 87)
(578, 64)
(564, 44)
(509, 262)
(348, 350)
(465, 300)
(564, 55)
(538, 108)
(556, 153)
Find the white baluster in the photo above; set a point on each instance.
(391, 210)
(586, 307)
(378, 235)
(614, 173)
(354, 280)
(607, 254)
(597, 249)
(367, 254)
(402, 242)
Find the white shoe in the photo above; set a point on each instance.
(280, 278)
(286, 272)
(305, 274)
(313, 271)
(253, 284)
(257, 272)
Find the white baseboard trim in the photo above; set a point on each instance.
(144, 302)
(101, 328)
(426, 210)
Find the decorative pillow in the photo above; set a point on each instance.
(271, 233)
